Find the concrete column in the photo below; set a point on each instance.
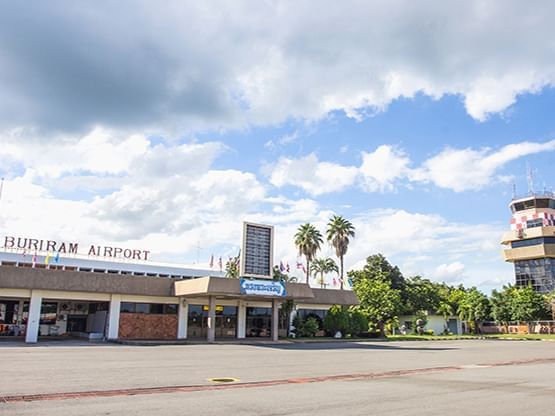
(275, 319)
(33, 321)
(211, 335)
(182, 317)
(113, 316)
(241, 320)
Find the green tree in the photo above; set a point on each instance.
(323, 266)
(474, 307)
(528, 305)
(338, 233)
(232, 268)
(445, 310)
(337, 319)
(377, 266)
(308, 241)
(379, 301)
(501, 303)
(421, 295)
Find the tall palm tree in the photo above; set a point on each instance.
(308, 240)
(323, 266)
(338, 233)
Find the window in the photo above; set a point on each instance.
(540, 273)
(533, 242)
(534, 223)
(148, 308)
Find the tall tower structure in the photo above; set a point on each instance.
(531, 241)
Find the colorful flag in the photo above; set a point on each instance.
(57, 258)
(300, 266)
(24, 253)
(281, 267)
(334, 281)
(34, 259)
(212, 261)
(47, 258)
(287, 268)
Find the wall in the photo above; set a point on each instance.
(147, 326)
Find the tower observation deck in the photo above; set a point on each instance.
(531, 241)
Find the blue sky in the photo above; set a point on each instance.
(412, 121)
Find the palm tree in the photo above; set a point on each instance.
(308, 240)
(323, 266)
(338, 233)
(446, 310)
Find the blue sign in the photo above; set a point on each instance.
(262, 288)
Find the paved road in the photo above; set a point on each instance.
(401, 378)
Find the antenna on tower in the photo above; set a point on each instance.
(514, 189)
(530, 177)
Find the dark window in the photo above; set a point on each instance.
(534, 223)
(48, 313)
(542, 203)
(170, 309)
(127, 307)
(539, 273)
(533, 242)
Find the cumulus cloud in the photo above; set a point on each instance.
(449, 272)
(311, 175)
(387, 167)
(187, 66)
(382, 168)
(473, 169)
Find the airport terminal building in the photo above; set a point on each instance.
(116, 300)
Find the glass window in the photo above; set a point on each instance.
(127, 307)
(142, 308)
(534, 223)
(170, 309)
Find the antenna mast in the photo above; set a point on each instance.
(530, 177)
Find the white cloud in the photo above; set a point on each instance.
(382, 168)
(311, 175)
(471, 169)
(449, 272)
(196, 66)
(387, 167)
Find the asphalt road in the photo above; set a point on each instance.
(398, 378)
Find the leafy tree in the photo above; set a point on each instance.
(474, 307)
(323, 266)
(308, 241)
(285, 314)
(446, 310)
(421, 295)
(232, 268)
(379, 301)
(501, 305)
(528, 305)
(338, 233)
(279, 276)
(377, 266)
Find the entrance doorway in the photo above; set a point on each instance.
(226, 321)
(259, 322)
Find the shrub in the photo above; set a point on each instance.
(305, 328)
(337, 319)
(357, 322)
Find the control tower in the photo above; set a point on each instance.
(531, 241)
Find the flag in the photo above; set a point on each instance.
(281, 267)
(34, 259)
(24, 253)
(212, 261)
(47, 258)
(220, 263)
(334, 281)
(57, 258)
(287, 268)
(300, 265)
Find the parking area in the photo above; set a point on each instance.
(462, 377)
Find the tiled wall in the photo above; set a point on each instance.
(147, 326)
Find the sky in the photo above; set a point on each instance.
(164, 126)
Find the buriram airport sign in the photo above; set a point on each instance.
(31, 245)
